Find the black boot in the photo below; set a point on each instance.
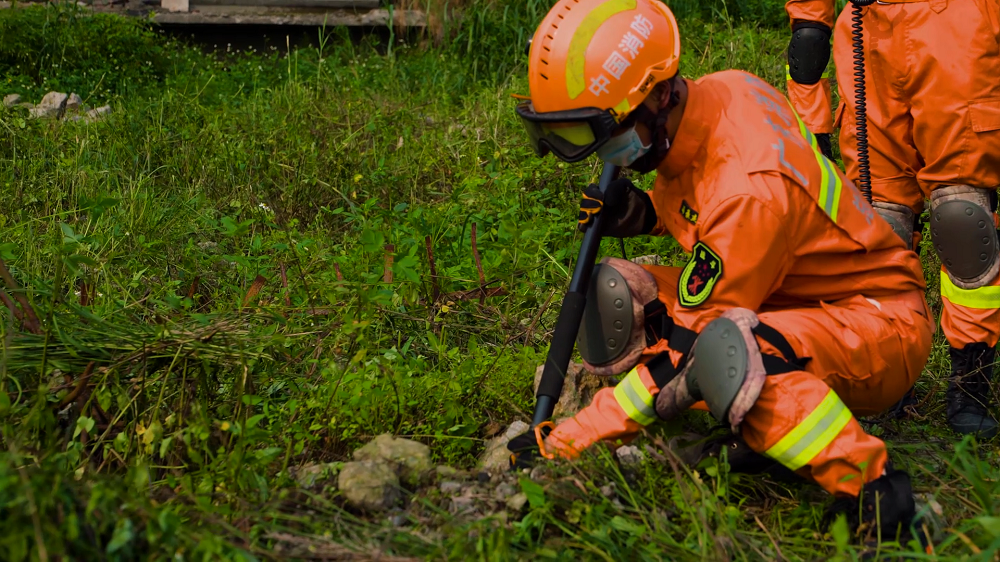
(969, 393)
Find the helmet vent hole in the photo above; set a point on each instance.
(547, 49)
(544, 76)
(560, 16)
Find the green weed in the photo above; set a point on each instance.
(259, 261)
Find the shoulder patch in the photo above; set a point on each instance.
(688, 213)
(699, 276)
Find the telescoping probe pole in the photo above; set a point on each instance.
(571, 314)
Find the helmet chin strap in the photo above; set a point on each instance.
(661, 143)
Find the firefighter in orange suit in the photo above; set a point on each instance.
(933, 115)
(799, 308)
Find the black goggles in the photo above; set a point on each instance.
(570, 135)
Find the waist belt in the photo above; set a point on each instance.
(661, 326)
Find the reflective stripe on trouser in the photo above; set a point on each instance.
(813, 434)
(814, 103)
(618, 413)
(970, 315)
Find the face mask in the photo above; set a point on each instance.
(623, 149)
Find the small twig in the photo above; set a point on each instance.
(284, 285)
(31, 322)
(255, 288)
(193, 290)
(336, 268)
(435, 290)
(387, 272)
(84, 293)
(968, 542)
(479, 264)
(80, 385)
(534, 321)
(11, 306)
(768, 533)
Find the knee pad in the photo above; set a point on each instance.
(612, 334)
(808, 52)
(900, 217)
(964, 233)
(725, 370)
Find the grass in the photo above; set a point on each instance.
(232, 280)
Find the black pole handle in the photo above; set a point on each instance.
(571, 313)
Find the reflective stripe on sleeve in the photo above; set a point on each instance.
(832, 185)
(635, 399)
(983, 298)
(801, 445)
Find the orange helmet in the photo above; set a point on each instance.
(592, 62)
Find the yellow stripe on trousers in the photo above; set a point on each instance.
(801, 445)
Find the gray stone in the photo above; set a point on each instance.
(451, 488)
(51, 107)
(651, 259)
(10, 100)
(410, 460)
(445, 471)
(517, 502)
(503, 491)
(579, 388)
(98, 112)
(312, 475)
(629, 455)
(496, 457)
(462, 505)
(73, 102)
(369, 485)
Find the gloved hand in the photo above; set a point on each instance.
(525, 448)
(628, 210)
(825, 145)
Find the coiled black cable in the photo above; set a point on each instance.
(860, 101)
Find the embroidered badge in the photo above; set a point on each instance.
(688, 213)
(699, 276)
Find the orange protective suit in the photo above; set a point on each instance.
(774, 227)
(933, 108)
(812, 101)
(933, 101)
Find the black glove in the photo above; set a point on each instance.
(825, 145)
(893, 508)
(629, 210)
(524, 448)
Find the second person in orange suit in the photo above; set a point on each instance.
(933, 115)
(798, 309)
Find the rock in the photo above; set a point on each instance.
(608, 490)
(651, 259)
(410, 460)
(369, 485)
(496, 457)
(517, 502)
(579, 388)
(312, 475)
(10, 100)
(629, 455)
(53, 105)
(398, 520)
(73, 102)
(503, 491)
(444, 471)
(462, 505)
(451, 488)
(98, 112)
(26, 105)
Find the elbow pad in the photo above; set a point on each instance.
(808, 52)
